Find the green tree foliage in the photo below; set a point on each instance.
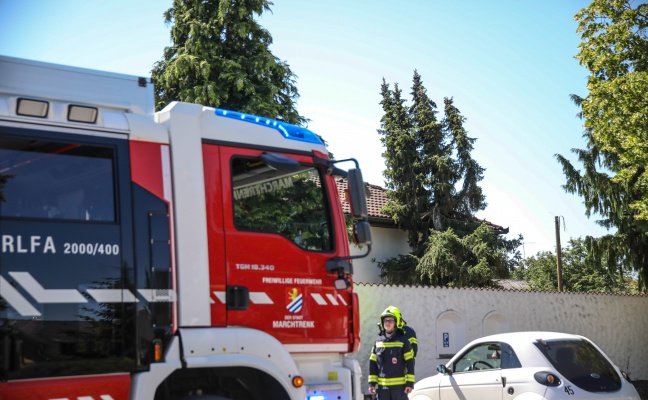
(579, 274)
(399, 270)
(407, 197)
(614, 183)
(433, 194)
(472, 260)
(220, 57)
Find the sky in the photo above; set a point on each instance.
(508, 64)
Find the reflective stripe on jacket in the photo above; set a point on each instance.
(410, 334)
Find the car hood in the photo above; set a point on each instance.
(429, 382)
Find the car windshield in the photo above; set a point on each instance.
(582, 364)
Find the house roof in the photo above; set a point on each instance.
(376, 200)
(511, 284)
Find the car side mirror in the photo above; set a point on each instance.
(444, 370)
(626, 376)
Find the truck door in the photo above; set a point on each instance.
(278, 235)
(67, 294)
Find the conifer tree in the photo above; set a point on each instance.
(614, 180)
(434, 193)
(407, 197)
(470, 197)
(220, 57)
(436, 169)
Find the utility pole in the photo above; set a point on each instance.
(558, 254)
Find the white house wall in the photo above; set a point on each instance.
(387, 242)
(617, 324)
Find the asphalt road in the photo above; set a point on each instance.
(642, 388)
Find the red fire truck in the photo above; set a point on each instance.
(193, 253)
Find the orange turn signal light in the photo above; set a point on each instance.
(546, 378)
(157, 350)
(298, 381)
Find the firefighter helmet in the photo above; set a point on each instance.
(392, 311)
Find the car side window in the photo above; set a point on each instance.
(483, 356)
(509, 358)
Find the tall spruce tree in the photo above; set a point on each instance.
(436, 172)
(407, 198)
(433, 191)
(220, 57)
(470, 197)
(614, 180)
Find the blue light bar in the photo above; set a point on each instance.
(316, 397)
(288, 131)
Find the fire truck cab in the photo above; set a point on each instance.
(192, 253)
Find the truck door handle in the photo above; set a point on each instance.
(237, 298)
(503, 381)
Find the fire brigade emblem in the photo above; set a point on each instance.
(294, 300)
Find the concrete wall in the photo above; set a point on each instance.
(617, 324)
(387, 242)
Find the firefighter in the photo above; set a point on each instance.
(407, 330)
(410, 334)
(391, 364)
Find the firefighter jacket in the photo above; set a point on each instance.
(392, 362)
(410, 334)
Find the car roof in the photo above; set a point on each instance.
(528, 337)
(522, 343)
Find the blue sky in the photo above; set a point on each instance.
(508, 64)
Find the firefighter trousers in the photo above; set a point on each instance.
(391, 393)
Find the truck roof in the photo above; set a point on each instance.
(64, 83)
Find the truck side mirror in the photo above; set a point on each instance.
(357, 196)
(362, 233)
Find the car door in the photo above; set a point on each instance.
(476, 375)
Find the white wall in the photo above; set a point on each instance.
(617, 324)
(387, 242)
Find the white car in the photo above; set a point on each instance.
(527, 366)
